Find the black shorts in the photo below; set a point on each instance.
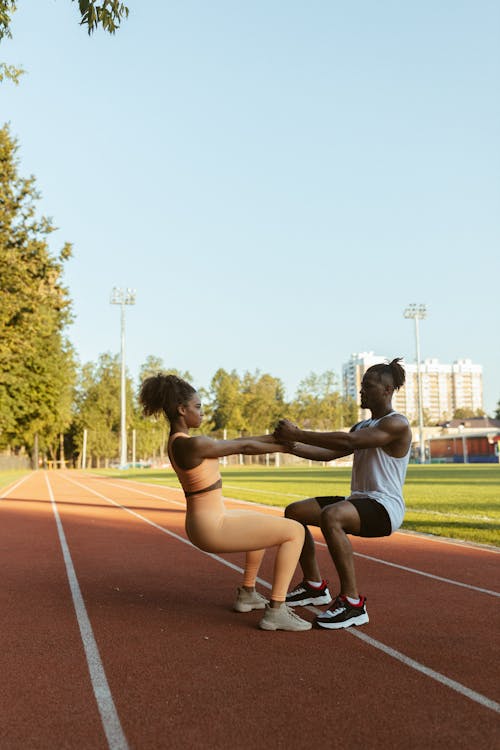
(374, 518)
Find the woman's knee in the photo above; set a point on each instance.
(296, 530)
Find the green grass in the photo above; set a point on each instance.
(9, 477)
(459, 502)
(455, 501)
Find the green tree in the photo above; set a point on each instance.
(7, 8)
(226, 403)
(108, 14)
(464, 413)
(37, 364)
(98, 407)
(319, 405)
(263, 399)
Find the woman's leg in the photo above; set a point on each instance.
(252, 565)
(246, 531)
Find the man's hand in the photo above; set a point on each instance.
(286, 431)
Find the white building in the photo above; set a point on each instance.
(445, 388)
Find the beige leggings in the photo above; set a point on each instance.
(212, 528)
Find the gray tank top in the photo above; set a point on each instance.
(377, 475)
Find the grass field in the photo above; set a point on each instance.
(455, 501)
(8, 477)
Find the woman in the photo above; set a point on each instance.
(209, 525)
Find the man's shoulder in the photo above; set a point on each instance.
(395, 422)
(360, 425)
(396, 415)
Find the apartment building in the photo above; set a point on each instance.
(445, 387)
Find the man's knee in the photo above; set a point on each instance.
(292, 510)
(298, 511)
(331, 518)
(339, 517)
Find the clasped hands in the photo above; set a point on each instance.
(286, 433)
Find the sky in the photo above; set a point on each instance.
(278, 181)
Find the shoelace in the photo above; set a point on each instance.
(293, 615)
(335, 608)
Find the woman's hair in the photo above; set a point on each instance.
(162, 394)
(393, 370)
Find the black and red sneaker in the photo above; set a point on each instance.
(304, 594)
(343, 614)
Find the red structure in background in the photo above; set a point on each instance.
(460, 449)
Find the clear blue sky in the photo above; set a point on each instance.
(277, 180)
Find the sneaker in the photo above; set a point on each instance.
(343, 614)
(304, 594)
(282, 618)
(246, 601)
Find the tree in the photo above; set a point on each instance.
(466, 413)
(37, 363)
(108, 15)
(319, 404)
(98, 407)
(263, 402)
(226, 402)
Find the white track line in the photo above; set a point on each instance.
(109, 716)
(322, 544)
(7, 492)
(453, 684)
(422, 573)
(407, 661)
(406, 532)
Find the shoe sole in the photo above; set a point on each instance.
(310, 600)
(272, 626)
(360, 620)
(248, 607)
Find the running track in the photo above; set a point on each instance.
(117, 633)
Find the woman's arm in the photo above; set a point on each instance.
(314, 453)
(260, 438)
(201, 447)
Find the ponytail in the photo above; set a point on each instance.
(392, 370)
(162, 394)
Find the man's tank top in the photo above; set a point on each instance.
(380, 476)
(202, 477)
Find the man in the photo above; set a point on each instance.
(381, 449)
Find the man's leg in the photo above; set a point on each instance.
(308, 513)
(336, 522)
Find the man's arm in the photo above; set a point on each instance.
(392, 431)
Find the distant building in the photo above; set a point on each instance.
(445, 388)
(473, 440)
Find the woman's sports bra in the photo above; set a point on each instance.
(203, 478)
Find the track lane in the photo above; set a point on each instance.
(44, 689)
(445, 634)
(207, 677)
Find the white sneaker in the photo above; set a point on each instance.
(283, 618)
(246, 601)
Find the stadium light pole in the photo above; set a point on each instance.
(418, 312)
(123, 297)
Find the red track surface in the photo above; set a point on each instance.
(153, 656)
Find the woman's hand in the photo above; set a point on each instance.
(286, 431)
